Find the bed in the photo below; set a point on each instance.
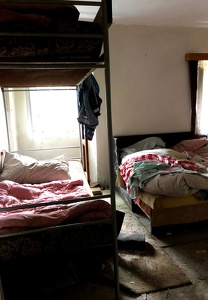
(48, 194)
(55, 225)
(52, 45)
(165, 176)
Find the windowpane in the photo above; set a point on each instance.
(53, 113)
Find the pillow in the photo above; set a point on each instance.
(203, 149)
(190, 145)
(25, 169)
(162, 152)
(145, 144)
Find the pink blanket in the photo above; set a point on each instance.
(195, 149)
(13, 194)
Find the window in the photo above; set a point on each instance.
(202, 98)
(43, 119)
(53, 112)
(198, 74)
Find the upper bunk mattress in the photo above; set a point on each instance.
(39, 31)
(44, 44)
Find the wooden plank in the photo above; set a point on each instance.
(96, 191)
(196, 56)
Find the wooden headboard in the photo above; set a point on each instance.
(170, 139)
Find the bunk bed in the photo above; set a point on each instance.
(51, 46)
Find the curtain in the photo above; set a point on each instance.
(193, 66)
(4, 142)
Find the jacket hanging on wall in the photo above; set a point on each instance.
(89, 104)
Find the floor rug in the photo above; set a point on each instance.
(151, 271)
(144, 267)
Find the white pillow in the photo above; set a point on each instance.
(153, 142)
(162, 152)
(25, 169)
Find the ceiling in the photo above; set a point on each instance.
(186, 13)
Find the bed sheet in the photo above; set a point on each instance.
(26, 206)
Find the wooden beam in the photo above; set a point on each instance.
(196, 56)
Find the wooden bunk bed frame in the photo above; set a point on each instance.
(85, 152)
(71, 71)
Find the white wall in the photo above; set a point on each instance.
(3, 129)
(149, 82)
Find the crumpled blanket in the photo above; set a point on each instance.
(14, 194)
(195, 149)
(163, 175)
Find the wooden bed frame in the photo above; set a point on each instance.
(170, 216)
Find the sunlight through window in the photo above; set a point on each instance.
(53, 112)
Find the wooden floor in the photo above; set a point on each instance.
(188, 248)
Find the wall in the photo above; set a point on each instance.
(3, 129)
(149, 82)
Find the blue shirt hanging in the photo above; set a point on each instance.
(89, 104)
